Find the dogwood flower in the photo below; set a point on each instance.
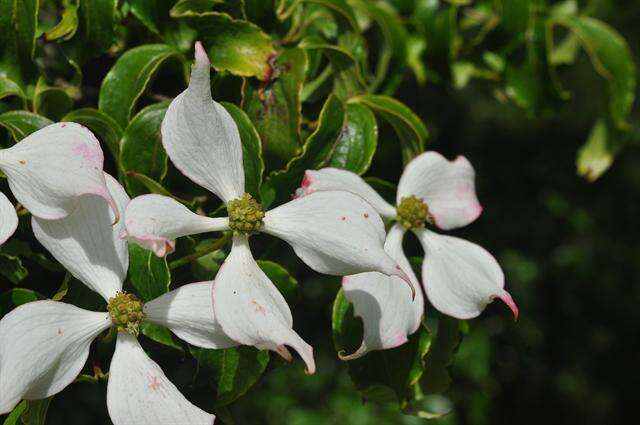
(45, 344)
(49, 171)
(333, 232)
(459, 278)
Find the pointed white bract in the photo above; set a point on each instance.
(188, 313)
(250, 308)
(43, 347)
(50, 170)
(8, 218)
(87, 244)
(155, 221)
(388, 314)
(333, 232)
(447, 187)
(337, 179)
(201, 138)
(460, 278)
(139, 393)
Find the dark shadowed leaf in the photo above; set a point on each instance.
(159, 334)
(18, 22)
(23, 123)
(17, 296)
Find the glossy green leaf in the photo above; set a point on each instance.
(598, 152)
(129, 77)
(251, 149)
(408, 126)
(51, 102)
(611, 58)
(17, 296)
(159, 334)
(281, 278)
(141, 148)
(235, 45)
(281, 185)
(382, 376)
(436, 377)
(95, 33)
(231, 372)
(9, 88)
(275, 109)
(101, 124)
(18, 23)
(357, 142)
(152, 13)
(68, 25)
(149, 275)
(340, 8)
(23, 123)
(16, 414)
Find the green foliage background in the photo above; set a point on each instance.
(539, 96)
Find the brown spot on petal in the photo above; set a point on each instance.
(343, 218)
(59, 331)
(22, 161)
(366, 215)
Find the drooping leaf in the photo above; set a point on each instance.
(129, 77)
(141, 148)
(275, 108)
(598, 152)
(408, 126)
(357, 142)
(251, 149)
(68, 25)
(436, 377)
(231, 372)
(149, 275)
(281, 185)
(23, 123)
(101, 124)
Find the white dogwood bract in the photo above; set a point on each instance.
(459, 278)
(8, 218)
(45, 344)
(334, 232)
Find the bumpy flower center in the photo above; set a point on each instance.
(245, 215)
(413, 213)
(126, 312)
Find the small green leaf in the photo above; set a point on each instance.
(597, 154)
(407, 125)
(51, 102)
(101, 124)
(232, 372)
(281, 278)
(357, 142)
(23, 123)
(141, 148)
(129, 77)
(281, 185)
(11, 267)
(17, 296)
(149, 275)
(251, 149)
(16, 414)
(275, 109)
(68, 25)
(159, 334)
(10, 88)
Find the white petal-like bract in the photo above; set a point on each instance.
(87, 244)
(43, 347)
(50, 169)
(201, 138)
(448, 188)
(155, 221)
(188, 312)
(251, 310)
(8, 218)
(139, 393)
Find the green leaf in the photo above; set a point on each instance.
(232, 372)
(68, 25)
(251, 149)
(36, 413)
(10, 88)
(149, 275)
(16, 414)
(340, 9)
(235, 45)
(141, 148)
(95, 33)
(51, 102)
(275, 109)
(407, 125)
(23, 123)
(357, 142)
(281, 278)
(129, 77)
(159, 334)
(18, 22)
(597, 154)
(100, 124)
(17, 296)
(317, 149)
(436, 377)
(382, 376)
(611, 58)
(152, 13)
(11, 267)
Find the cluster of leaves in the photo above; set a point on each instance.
(309, 83)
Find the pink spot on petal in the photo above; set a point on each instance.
(508, 300)
(88, 152)
(63, 125)
(154, 385)
(307, 181)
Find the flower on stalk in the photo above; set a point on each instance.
(459, 278)
(333, 232)
(45, 344)
(49, 171)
